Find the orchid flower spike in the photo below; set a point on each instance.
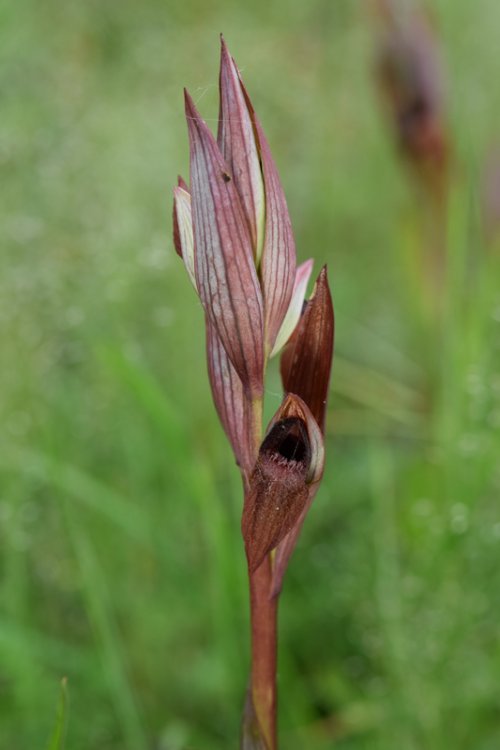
(233, 232)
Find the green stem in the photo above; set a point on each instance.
(257, 408)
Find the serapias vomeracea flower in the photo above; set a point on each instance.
(233, 232)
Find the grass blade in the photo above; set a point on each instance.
(59, 733)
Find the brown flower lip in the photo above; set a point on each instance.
(291, 458)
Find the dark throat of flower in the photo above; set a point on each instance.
(288, 444)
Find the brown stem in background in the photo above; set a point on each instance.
(412, 82)
(434, 250)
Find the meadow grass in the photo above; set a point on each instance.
(121, 557)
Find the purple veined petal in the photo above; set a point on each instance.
(290, 461)
(225, 272)
(307, 358)
(183, 231)
(231, 402)
(295, 307)
(236, 139)
(277, 266)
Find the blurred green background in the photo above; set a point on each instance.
(122, 565)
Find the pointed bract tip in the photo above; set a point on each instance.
(321, 282)
(225, 57)
(181, 182)
(227, 60)
(189, 106)
(224, 50)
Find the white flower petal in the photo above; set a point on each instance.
(295, 307)
(182, 207)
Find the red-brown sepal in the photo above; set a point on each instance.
(307, 358)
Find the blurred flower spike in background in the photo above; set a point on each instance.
(410, 74)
